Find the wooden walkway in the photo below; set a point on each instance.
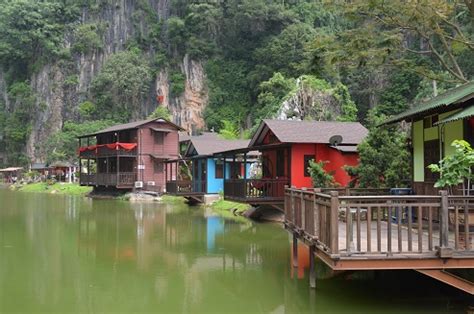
(430, 234)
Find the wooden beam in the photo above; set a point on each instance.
(449, 279)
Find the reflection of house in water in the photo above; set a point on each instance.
(215, 226)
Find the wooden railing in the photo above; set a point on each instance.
(357, 191)
(255, 188)
(106, 152)
(185, 186)
(109, 179)
(388, 224)
(178, 186)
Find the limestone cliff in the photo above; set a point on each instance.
(61, 86)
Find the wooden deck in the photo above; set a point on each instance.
(431, 233)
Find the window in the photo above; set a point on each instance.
(157, 167)
(307, 158)
(158, 138)
(430, 121)
(219, 169)
(280, 163)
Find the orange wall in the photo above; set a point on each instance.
(337, 161)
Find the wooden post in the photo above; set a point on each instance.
(245, 175)
(317, 214)
(312, 267)
(118, 159)
(444, 223)
(292, 206)
(295, 250)
(334, 222)
(303, 210)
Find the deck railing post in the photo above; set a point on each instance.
(303, 210)
(334, 223)
(316, 216)
(292, 205)
(444, 230)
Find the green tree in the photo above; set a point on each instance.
(122, 85)
(160, 112)
(319, 176)
(455, 169)
(32, 30)
(16, 121)
(62, 146)
(229, 130)
(384, 160)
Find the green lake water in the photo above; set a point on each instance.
(70, 254)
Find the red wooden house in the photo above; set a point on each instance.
(286, 148)
(129, 155)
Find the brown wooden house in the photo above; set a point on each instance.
(128, 156)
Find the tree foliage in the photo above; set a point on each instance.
(320, 177)
(455, 169)
(62, 146)
(384, 159)
(120, 87)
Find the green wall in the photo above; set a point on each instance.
(452, 131)
(417, 137)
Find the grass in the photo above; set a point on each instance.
(170, 199)
(229, 209)
(59, 188)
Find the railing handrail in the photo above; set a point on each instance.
(425, 229)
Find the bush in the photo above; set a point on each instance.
(319, 176)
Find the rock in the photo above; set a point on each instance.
(142, 197)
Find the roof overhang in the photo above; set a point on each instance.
(463, 114)
(161, 130)
(162, 157)
(450, 100)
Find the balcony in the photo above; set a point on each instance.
(121, 180)
(255, 190)
(108, 150)
(185, 187)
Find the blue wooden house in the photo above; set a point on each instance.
(198, 172)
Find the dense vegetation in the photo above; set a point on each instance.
(354, 56)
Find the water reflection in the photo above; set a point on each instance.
(71, 254)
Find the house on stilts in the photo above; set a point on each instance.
(129, 156)
(199, 175)
(286, 148)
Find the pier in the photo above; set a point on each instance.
(351, 231)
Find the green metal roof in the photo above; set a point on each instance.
(465, 113)
(453, 96)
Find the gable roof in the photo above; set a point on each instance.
(453, 96)
(132, 125)
(209, 144)
(292, 131)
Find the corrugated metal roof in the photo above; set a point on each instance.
(292, 131)
(463, 114)
(453, 96)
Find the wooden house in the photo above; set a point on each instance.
(128, 156)
(286, 147)
(436, 123)
(199, 172)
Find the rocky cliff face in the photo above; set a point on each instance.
(58, 99)
(308, 102)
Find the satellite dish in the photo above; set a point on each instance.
(335, 140)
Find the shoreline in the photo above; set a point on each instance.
(221, 207)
